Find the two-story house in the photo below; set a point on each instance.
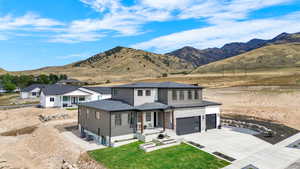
(140, 107)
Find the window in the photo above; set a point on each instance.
(33, 93)
(115, 92)
(118, 119)
(196, 94)
(81, 99)
(87, 113)
(181, 95)
(66, 98)
(190, 95)
(174, 94)
(51, 99)
(140, 93)
(98, 115)
(148, 92)
(131, 119)
(148, 116)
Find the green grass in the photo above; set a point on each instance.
(177, 157)
(71, 108)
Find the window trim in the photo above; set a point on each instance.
(52, 99)
(148, 92)
(119, 119)
(174, 94)
(140, 94)
(181, 94)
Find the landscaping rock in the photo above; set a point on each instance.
(45, 118)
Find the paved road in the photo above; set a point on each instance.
(17, 106)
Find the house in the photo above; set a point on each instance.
(32, 91)
(71, 82)
(139, 108)
(58, 95)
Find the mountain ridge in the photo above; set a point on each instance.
(199, 57)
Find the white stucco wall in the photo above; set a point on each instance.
(24, 95)
(139, 100)
(45, 101)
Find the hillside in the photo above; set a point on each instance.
(268, 58)
(199, 57)
(2, 71)
(119, 63)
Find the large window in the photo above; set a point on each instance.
(174, 94)
(33, 93)
(140, 92)
(196, 94)
(118, 119)
(66, 98)
(190, 97)
(51, 99)
(148, 92)
(82, 99)
(148, 116)
(181, 95)
(115, 92)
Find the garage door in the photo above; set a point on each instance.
(187, 125)
(211, 121)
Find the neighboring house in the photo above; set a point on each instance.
(58, 95)
(2, 90)
(137, 108)
(32, 91)
(71, 82)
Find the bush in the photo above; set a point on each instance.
(164, 75)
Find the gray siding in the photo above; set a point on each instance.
(124, 94)
(185, 100)
(91, 123)
(125, 128)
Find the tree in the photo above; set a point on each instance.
(9, 86)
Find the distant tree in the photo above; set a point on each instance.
(9, 86)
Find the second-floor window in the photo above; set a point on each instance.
(140, 92)
(148, 92)
(196, 94)
(174, 94)
(118, 119)
(181, 95)
(190, 97)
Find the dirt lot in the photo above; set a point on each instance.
(26, 142)
(275, 103)
(14, 98)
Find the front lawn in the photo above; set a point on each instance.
(177, 157)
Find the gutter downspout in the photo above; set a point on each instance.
(109, 128)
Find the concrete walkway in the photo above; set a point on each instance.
(277, 156)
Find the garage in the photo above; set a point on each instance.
(211, 121)
(188, 125)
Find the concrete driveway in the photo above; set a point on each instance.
(234, 142)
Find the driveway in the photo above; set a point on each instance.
(234, 142)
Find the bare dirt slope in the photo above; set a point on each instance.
(279, 104)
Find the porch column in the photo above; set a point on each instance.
(173, 122)
(142, 122)
(164, 121)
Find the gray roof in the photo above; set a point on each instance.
(157, 85)
(108, 105)
(200, 104)
(33, 86)
(58, 89)
(117, 105)
(151, 106)
(102, 90)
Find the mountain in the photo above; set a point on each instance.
(199, 57)
(2, 71)
(119, 63)
(270, 57)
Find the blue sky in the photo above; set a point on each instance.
(35, 33)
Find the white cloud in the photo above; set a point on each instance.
(217, 35)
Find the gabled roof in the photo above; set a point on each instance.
(69, 81)
(152, 106)
(102, 90)
(158, 85)
(58, 89)
(33, 86)
(108, 105)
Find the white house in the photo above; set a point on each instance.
(32, 91)
(58, 95)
